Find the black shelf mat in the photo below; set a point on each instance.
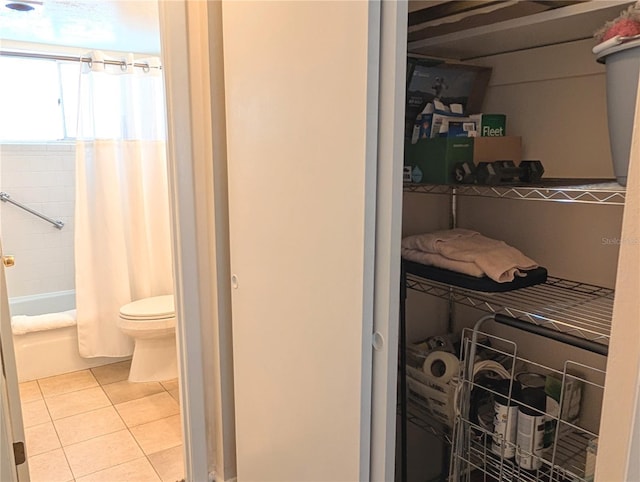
(486, 284)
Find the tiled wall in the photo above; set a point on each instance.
(41, 176)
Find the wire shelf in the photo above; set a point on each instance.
(569, 466)
(586, 191)
(480, 450)
(571, 307)
(419, 415)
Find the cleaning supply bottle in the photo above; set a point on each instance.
(505, 418)
(531, 426)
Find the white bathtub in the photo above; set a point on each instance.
(49, 352)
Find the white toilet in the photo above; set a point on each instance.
(151, 322)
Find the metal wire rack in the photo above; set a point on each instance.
(489, 466)
(418, 414)
(578, 309)
(589, 191)
(568, 311)
(566, 459)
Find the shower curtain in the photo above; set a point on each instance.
(122, 236)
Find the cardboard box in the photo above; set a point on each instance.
(461, 129)
(571, 398)
(491, 125)
(432, 161)
(434, 124)
(488, 149)
(448, 82)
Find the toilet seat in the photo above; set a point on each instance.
(147, 309)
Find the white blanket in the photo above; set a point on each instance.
(22, 324)
(467, 252)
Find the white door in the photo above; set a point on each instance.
(314, 94)
(302, 102)
(13, 465)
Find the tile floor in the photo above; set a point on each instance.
(94, 425)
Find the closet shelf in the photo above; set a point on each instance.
(568, 462)
(418, 415)
(589, 191)
(577, 309)
(559, 25)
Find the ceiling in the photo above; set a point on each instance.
(132, 26)
(111, 25)
(432, 18)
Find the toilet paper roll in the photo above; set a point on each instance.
(441, 365)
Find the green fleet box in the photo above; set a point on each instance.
(432, 161)
(490, 125)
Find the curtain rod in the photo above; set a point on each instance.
(70, 58)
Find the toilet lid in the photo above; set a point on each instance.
(154, 308)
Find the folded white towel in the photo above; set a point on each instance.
(496, 259)
(21, 324)
(428, 242)
(439, 261)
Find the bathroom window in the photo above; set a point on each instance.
(38, 99)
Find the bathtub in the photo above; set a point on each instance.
(49, 352)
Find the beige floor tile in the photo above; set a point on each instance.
(148, 409)
(85, 426)
(102, 452)
(175, 394)
(114, 372)
(68, 382)
(30, 391)
(159, 435)
(170, 384)
(125, 390)
(139, 470)
(50, 467)
(169, 464)
(77, 402)
(41, 438)
(35, 413)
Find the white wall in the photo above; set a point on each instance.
(554, 97)
(41, 176)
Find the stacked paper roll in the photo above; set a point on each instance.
(441, 365)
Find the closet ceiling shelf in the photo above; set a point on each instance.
(478, 33)
(577, 309)
(589, 191)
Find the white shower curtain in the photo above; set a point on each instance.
(122, 237)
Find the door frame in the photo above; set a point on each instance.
(386, 303)
(191, 36)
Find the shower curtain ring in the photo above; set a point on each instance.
(146, 68)
(123, 66)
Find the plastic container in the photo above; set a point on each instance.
(622, 63)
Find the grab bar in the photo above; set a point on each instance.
(4, 197)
